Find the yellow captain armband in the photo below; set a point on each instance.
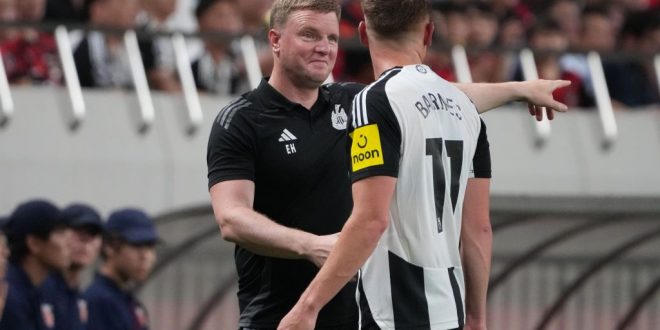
(366, 150)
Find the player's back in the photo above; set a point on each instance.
(427, 134)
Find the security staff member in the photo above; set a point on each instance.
(62, 289)
(37, 238)
(128, 254)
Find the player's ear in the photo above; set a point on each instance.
(362, 32)
(428, 33)
(274, 39)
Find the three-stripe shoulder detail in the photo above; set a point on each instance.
(359, 111)
(227, 113)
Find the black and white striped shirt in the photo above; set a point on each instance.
(413, 125)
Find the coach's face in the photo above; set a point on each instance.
(306, 46)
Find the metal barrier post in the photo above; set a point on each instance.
(541, 128)
(70, 76)
(6, 102)
(139, 81)
(603, 101)
(251, 59)
(194, 109)
(461, 65)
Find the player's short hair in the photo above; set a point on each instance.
(392, 18)
(282, 9)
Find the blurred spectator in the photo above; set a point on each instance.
(157, 12)
(62, 289)
(218, 70)
(38, 243)
(101, 59)
(598, 30)
(451, 28)
(637, 5)
(255, 15)
(353, 63)
(504, 8)
(128, 254)
(548, 43)
(483, 26)
(455, 27)
(30, 56)
(31, 10)
(65, 11)
(596, 34)
(512, 32)
(485, 63)
(630, 79)
(8, 13)
(4, 254)
(567, 14)
(155, 17)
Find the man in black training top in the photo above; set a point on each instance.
(278, 171)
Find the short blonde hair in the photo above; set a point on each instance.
(282, 9)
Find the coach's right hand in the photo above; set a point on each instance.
(318, 249)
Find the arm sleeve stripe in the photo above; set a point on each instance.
(229, 113)
(360, 101)
(222, 113)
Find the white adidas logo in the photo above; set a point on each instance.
(287, 136)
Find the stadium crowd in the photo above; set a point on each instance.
(626, 32)
(45, 254)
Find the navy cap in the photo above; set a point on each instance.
(81, 215)
(133, 226)
(36, 216)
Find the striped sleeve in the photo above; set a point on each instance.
(375, 147)
(231, 147)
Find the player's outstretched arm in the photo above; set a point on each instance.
(232, 205)
(536, 93)
(476, 250)
(357, 240)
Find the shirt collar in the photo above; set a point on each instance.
(272, 99)
(17, 276)
(111, 285)
(58, 279)
(388, 70)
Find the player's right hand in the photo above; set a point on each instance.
(539, 97)
(319, 248)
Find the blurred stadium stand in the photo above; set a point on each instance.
(576, 202)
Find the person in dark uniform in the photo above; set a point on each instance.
(278, 173)
(62, 289)
(4, 254)
(128, 254)
(37, 236)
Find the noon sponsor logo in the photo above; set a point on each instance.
(366, 149)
